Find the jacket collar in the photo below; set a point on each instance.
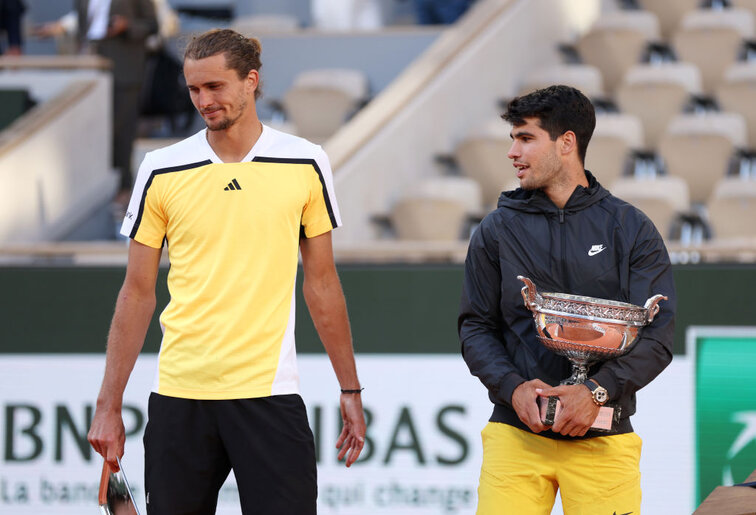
(536, 201)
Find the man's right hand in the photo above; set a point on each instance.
(107, 435)
(133, 312)
(525, 404)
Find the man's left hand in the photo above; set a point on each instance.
(352, 437)
(578, 409)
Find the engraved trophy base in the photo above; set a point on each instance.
(550, 408)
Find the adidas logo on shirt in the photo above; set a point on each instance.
(232, 186)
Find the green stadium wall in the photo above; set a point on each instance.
(394, 309)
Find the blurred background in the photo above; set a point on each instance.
(405, 97)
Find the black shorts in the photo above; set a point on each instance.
(191, 445)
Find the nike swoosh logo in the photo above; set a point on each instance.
(628, 513)
(595, 250)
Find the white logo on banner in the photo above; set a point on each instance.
(746, 436)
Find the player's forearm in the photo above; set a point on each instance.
(327, 306)
(125, 340)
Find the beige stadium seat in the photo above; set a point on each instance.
(616, 135)
(616, 42)
(669, 12)
(732, 209)
(745, 4)
(428, 219)
(711, 39)
(699, 147)
(256, 24)
(482, 156)
(656, 94)
(584, 77)
(321, 100)
(737, 93)
(661, 198)
(436, 209)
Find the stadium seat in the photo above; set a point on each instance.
(737, 93)
(321, 100)
(699, 147)
(256, 24)
(616, 42)
(584, 77)
(656, 93)
(662, 198)
(711, 39)
(745, 4)
(616, 134)
(428, 219)
(743, 164)
(436, 209)
(732, 209)
(482, 156)
(669, 12)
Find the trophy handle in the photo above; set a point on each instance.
(652, 306)
(529, 293)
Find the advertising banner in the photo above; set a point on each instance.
(725, 393)
(422, 454)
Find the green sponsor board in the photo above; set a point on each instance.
(725, 382)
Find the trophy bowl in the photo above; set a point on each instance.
(586, 329)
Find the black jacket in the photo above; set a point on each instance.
(528, 235)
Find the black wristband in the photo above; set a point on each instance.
(352, 391)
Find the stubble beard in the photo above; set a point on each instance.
(548, 171)
(222, 125)
(227, 122)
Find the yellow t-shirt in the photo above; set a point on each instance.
(232, 231)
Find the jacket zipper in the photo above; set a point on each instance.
(562, 237)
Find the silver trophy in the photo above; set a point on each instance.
(586, 330)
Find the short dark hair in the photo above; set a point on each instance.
(559, 109)
(242, 53)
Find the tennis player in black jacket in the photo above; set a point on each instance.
(567, 233)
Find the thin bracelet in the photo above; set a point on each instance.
(352, 391)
